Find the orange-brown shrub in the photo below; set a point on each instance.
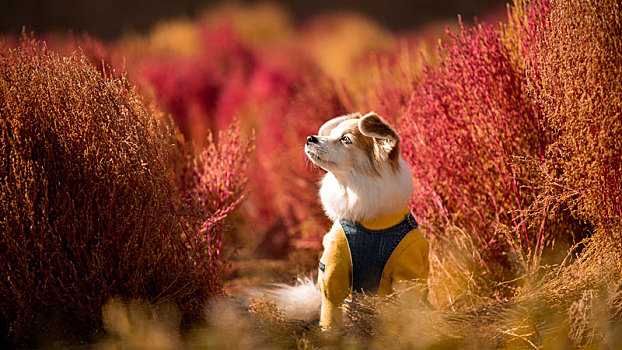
(576, 78)
(99, 199)
(575, 75)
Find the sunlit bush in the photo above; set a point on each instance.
(261, 24)
(336, 41)
(576, 78)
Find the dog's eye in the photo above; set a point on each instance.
(346, 140)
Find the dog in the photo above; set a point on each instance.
(374, 245)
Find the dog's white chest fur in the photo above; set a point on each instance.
(359, 197)
(366, 176)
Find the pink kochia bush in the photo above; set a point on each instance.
(100, 199)
(513, 138)
(467, 129)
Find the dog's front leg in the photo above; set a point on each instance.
(334, 277)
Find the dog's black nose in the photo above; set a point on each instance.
(312, 139)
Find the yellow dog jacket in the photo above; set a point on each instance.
(369, 256)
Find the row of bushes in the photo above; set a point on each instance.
(511, 131)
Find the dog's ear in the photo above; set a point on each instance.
(331, 124)
(385, 138)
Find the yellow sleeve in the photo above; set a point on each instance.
(410, 265)
(334, 277)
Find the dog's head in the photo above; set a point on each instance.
(366, 144)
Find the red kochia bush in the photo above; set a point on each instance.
(99, 199)
(466, 124)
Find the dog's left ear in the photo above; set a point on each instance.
(385, 138)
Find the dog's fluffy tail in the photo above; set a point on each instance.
(301, 301)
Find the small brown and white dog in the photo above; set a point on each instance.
(366, 175)
(366, 179)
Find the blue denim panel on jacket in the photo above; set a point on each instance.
(371, 249)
